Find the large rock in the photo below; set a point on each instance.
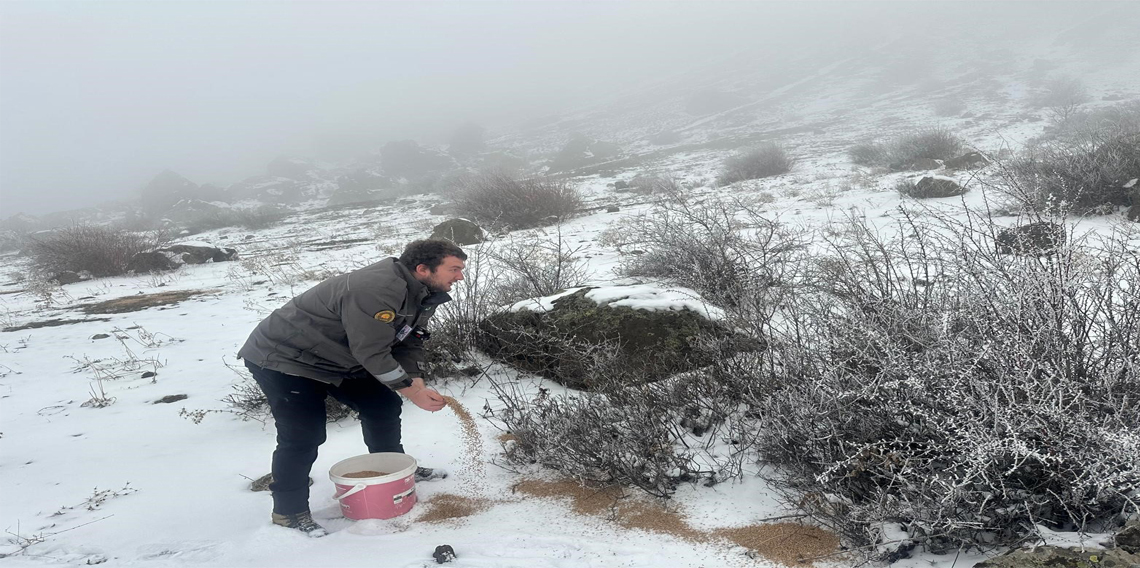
(1055, 557)
(1128, 539)
(191, 254)
(166, 189)
(967, 161)
(933, 187)
(459, 231)
(145, 262)
(1037, 239)
(919, 164)
(192, 211)
(558, 339)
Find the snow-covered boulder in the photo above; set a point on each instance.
(1033, 239)
(656, 331)
(459, 231)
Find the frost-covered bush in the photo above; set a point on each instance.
(497, 199)
(650, 435)
(722, 249)
(651, 184)
(766, 161)
(925, 382)
(868, 154)
(101, 251)
(1085, 171)
(900, 152)
(912, 379)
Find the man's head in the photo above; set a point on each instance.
(437, 263)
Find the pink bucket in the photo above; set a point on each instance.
(383, 497)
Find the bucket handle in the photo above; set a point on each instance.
(355, 489)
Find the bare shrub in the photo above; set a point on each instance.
(937, 144)
(535, 266)
(101, 251)
(501, 272)
(499, 199)
(1062, 93)
(934, 144)
(651, 184)
(1108, 122)
(455, 326)
(965, 397)
(868, 154)
(1086, 176)
(721, 249)
(766, 161)
(625, 431)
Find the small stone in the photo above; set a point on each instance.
(148, 374)
(171, 398)
(262, 483)
(100, 336)
(444, 553)
(613, 209)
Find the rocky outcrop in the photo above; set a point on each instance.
(968, 161)
(459, 231)
(1034, 239)
(560, 341)
(1056, 557)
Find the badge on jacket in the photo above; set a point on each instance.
(385, 316)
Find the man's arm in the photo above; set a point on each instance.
(371, 341)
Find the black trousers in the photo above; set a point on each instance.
(298, 406)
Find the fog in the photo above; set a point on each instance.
(98, 97)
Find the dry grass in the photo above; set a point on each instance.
(446, 506)
(786, 543)
(615, 504)
(790, 544)
(138, 302)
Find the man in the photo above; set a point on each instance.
(358, 337)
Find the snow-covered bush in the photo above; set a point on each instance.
(101, 251)
(766, 161)
(900, 152)
(868, 154)
(722, 249)
(921, 379)
(497, 199)
(1085, 167)
(649, 435)
(654, 184)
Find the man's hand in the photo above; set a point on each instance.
(422, 396)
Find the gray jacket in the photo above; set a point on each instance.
(349, 325)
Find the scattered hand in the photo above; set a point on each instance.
(423, 397)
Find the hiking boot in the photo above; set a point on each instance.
(300, 521)
(429, 474)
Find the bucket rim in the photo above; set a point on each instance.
(378, 480)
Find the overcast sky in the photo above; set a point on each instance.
(97, 97)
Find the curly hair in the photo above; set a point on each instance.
(429, 252)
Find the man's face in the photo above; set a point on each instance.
(447, 273)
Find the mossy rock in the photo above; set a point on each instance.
(1056, 557)
(558, 344)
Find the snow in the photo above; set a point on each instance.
(648, 297)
